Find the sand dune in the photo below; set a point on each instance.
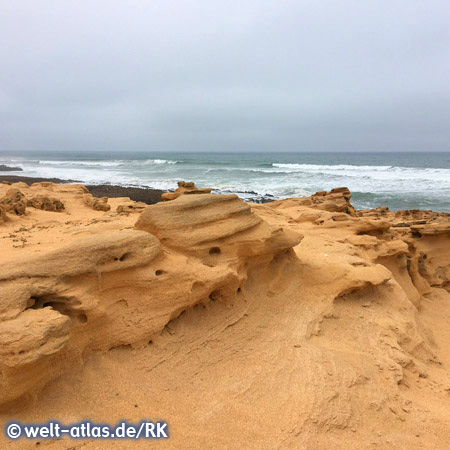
(301, 323)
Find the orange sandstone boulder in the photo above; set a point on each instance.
(97, 204)
(185, 187)
(46, 203)
(14, 202)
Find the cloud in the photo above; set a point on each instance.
(225, 75)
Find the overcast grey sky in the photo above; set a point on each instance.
(225, 75)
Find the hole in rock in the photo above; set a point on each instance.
(31, 302)
(213, 296)
(82, 318)
(214, 251)
(43, 302)
(150, 342)
(123, 257)
(159, 272)
(61, 304)
(238, 290)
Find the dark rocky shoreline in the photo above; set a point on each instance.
(149, 196)
(4, 168)
(146, 195)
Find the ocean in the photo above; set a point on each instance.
(396, 180)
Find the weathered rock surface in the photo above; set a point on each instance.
(76, 298)
(3, 216)
(14, 202)
(131, 207)
(48, 297)
(185, 187)
(97, 204)
(337, 200)
(211, 225)
(46, 203)
(341, 336)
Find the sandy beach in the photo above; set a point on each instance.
(300, 323)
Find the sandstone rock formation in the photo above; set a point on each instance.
(3, 217)
(214, 226)
(329, 325)
(185, 187)
(97, 204)
(75, 299)
(46, 203)
(14, 202)
(131, 207)
(337, 200)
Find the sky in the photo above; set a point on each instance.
(247, 75)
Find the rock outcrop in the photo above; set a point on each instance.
(131, 207)
(97, 204)
(332, 321)
(337, 200)
(14, 202)
(46, 203)
(3, 216)
(185, 187)
(52, 297)
(211, 226)
(4, 168)
(76, 299)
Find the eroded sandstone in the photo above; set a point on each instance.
(328, 319)
(185, 187)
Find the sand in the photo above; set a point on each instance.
(300, 323)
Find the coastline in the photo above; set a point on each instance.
(148, 196)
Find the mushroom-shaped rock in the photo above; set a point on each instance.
(210, 225)
(185, 187)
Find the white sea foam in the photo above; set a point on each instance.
(370, 172)
(83, 163)
(319, 167)
(111, 163)
(158, 161)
